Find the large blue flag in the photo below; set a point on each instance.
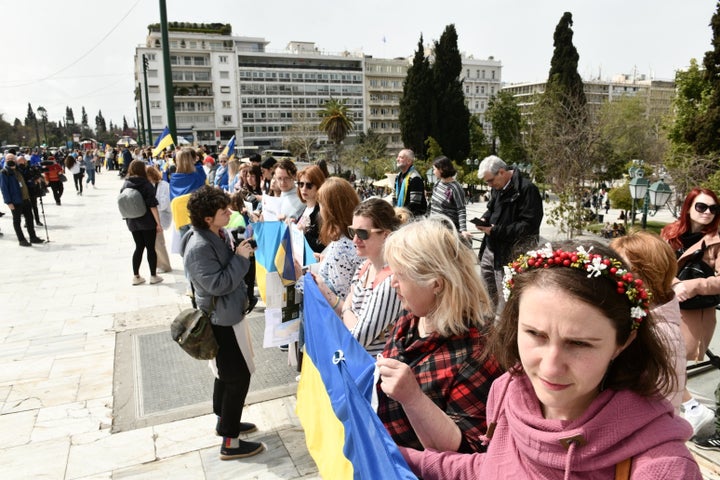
(345, 437)
(163, 140)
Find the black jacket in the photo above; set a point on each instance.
(515, 213)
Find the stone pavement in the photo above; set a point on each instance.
(68, 313)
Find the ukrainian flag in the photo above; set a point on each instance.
(284, 259)
(345, 437)
(229, 149)
(163, 141)
(268, 236)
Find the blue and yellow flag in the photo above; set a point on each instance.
(163, 141)
(229, 149)
(284, 259)
(345, 437)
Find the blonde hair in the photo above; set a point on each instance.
(185, 160)
(429, 250)
(652, 258)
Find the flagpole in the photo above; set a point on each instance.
(169, 97)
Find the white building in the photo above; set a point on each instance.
(481, 82)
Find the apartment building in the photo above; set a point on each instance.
(658, 94)
(225, 85)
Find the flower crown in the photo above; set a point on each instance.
(595, 264)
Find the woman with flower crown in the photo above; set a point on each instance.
(582, 397)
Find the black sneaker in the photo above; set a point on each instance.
(710, 443)
(245, 427)
(244, 449)
(283, 348)
(25, 243)
(37, 240)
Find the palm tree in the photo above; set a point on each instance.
(336, 123)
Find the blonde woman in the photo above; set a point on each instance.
(435, 375)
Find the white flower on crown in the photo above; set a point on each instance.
(637, 312)
(595, 267)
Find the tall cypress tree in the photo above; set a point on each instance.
(708, 123)
(450, 116)
(563, 76)
(415, 103)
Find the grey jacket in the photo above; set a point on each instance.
(215, 270)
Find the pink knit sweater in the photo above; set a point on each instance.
(616, 426)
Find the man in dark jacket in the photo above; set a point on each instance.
(17, 197)
(409, 185)
(512, 220)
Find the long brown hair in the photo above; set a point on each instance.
(643, 367)
(337, 199)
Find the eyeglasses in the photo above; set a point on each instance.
(361, 233)
(701, 207)
(283, 179)
(308, 185)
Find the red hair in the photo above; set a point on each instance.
(672, 232)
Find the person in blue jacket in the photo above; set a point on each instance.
(17, 197)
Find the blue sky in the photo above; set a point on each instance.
(90, 62)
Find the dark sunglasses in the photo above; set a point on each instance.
(361, 233)
(309, 185)
(701, 207)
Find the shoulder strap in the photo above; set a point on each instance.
(622, 469)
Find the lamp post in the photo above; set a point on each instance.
(43, 116)
(659, 193)
(638, 189)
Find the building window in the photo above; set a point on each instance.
(224, 89)
(224, 75)
(154, 104)
(153, 89)
(150, 56)
(226, 104)
(483, 90)
(227, 119)
(467, 89)
(152, 73)
(493, 74)
(477, 89)
(483, 74)
(468, 73)
(223, 59)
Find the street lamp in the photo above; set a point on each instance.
(638, 189)
(431, 178)
(659, 193)
(43, 115)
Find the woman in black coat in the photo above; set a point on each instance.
(144, 229)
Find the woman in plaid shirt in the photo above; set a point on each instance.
(435, 375)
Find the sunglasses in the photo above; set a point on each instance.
(361, 233)
(701, 207)
(308, 185)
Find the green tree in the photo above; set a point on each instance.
(479, 146)
(336, 123)
(414, 103)
(70, 120)
(450, 116)
(708, 131)
(100, 126)
(563, 64)
(504, 115)
(564, 139)
(371, 145)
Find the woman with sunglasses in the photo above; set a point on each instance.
(697, 229)
(372, 304)
(309, 182)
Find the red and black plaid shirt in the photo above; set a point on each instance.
(450, 372)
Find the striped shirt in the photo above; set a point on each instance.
(375, 309)
(449, 199)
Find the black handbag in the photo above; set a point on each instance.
(192, 330)
(694, 268)
(62, 177)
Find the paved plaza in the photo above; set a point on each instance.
(91, 386)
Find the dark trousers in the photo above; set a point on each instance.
(144, 240)
(57, 189)
(34, 207)
(77, 178)
(23, 210)
(232, 387)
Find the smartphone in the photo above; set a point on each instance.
(480, 222)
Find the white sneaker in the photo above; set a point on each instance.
(138, 280)
(155, 279)
(702, 420)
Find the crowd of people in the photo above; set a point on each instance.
(527, 360)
